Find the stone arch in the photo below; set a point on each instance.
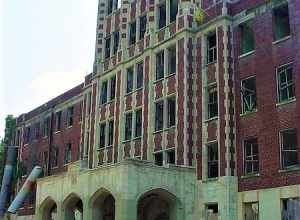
(73, 207)
(48, 209)
(158, 204)
(103, 206)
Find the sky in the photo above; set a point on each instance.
(46, 48)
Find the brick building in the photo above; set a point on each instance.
(191, 112)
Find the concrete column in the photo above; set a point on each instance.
(126, 209)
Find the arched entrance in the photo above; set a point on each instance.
(49, 209)
(157, 204)
(73, 208)
(103, 205)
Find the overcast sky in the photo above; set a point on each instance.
(46, 48)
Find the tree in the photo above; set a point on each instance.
(10, 125)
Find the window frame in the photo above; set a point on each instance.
(243, 108)
(70, 116)
(211, 116)
(160, 69)
(275, 22)
(102, 135)
(213, 49)
(138, 126)
(160, 126)
(248, 25)
(296, 150)
(128, 126)
(285, 67)
(214, 162)
(251, 160)
(103, 98)
(107, 50)
(68, 153)
(131, 40)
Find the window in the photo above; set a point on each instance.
(70, 114)
(212, 211)
(290, 208)
(251, 211)
(27, 134)
(55, 152)
(247, 38)
(36, 130)
(104, 92)
(286, 89)
(159, 116)
(172, 60)
(212, 161)
(116, 42)
(281, 23)
(117, 4)
(107, 48)
(110, 132)
(289, 148)
(112, 88)
(173, 10)
(161, 16)
(129, 86)
(89, 102)
(128, 126)
(158, 158)
(171, 157)
(212, 102)
(138, 123)
(251, 162)
(102, 135)
(140, 75)
(211, 48)
(68, 153)
(132, 33)
(58, 121)
(109, 6)
(248, 94)
(171, 111)
(46, 126)
(143, 25)
(160, 65)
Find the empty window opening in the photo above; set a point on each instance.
(289, 148)
(251, 160)
(104, 92)
(109, 6)
(140, 75)
(160, 65)
(128, 126)
(211, 48)
(286, 88)
(138, 123)
(143, 25)
(159, 115)
(281, 22)
(248, 93)
(68, 153)
(212, 161)
(129, 86)
(102, 135)
(247, 38)
(161, 15)
(158, 158)
(116, 42)
(212, 212)
(110, 132)
(171, 102)
(112, 88)
(290, 209)
(107, 48)
(57, 121)
(46, 126)
(173, 10)
(212, 102)
(70, 114)
(132, 33)
(171, 157)
(172, 60)
(251, 211)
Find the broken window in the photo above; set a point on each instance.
(289, 148)
(132, 33)
(129, 86)
(212, 102)
(116, 42)
(140, 75)
(212, 161)
(46, 126)
(70, 113)
(107, 48)
(251, 211)
(128, 126)
(112, 88)
(171, 157)
(161, 15)
(109, 6)
(138, 123)
(58, 121)
(247, 38)
(248, 93)
(68, 153)
(212, 212)
(102, 135)
(143, 25)
(251, 161)
(55, 152)
(104, 92)
(172, 60)
(160, 65)
(173, 10)
(281, 23)
(211, 48)
(158, 158)
(159, 115)
(110, 132)
(171, 102)
(286, 89)
(290, 209)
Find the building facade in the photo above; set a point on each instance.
(191, 112)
